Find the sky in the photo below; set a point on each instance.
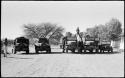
(69, 14)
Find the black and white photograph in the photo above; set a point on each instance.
(62, 38)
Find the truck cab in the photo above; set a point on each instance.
(21, 44)
(91, 44)
(42, 45)
(105, 45)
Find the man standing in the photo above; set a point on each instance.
(5, 47)
(64, 41)
(79, 40)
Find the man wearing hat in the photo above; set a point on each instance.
(79, 38)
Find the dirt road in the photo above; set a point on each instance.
(60, 64)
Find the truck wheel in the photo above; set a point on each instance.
(36, 49)
(111, 50)
(97, 50)
(103, 51)
(27, 51)
(14, 51)
(48, 51)
(84, 50)
(91, 51)
(79, 50)
(100, 50)
(73, 50)
(66, 50)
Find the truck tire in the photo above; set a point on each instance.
(73, 51)
(79, 50)
(84, 50)
(36, 50)
(100, 50)
(27, 51)
(111, 50)
(97, 50)
(91, 51)
(15, 51)
(66, 50)
(103, 51)
(48, 51)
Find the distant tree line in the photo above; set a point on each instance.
(111, 30)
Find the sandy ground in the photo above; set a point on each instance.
(60, 64)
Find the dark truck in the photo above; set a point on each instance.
(43, 45)
(105, 45)
(69, 44)
(72, 45)
(21, 44)
(91, 44)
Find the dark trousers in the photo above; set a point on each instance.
(79, 43)
(64, 47)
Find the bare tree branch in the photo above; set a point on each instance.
(47, 30)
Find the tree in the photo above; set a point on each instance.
(115, 30)
(47, 30)
(69, 34)
(110, 31)
(93, 32)
(89, 31)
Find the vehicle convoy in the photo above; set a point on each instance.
(91, 44)
(105, 45)
(21, 44)
(43, 45)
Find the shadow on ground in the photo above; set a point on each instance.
(41, 53)
(115, 52)
(19, 58)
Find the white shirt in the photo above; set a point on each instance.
(78, 37)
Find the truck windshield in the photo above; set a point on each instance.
(43, 40)
(89, 42)
(105, 42)
(22, 41)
